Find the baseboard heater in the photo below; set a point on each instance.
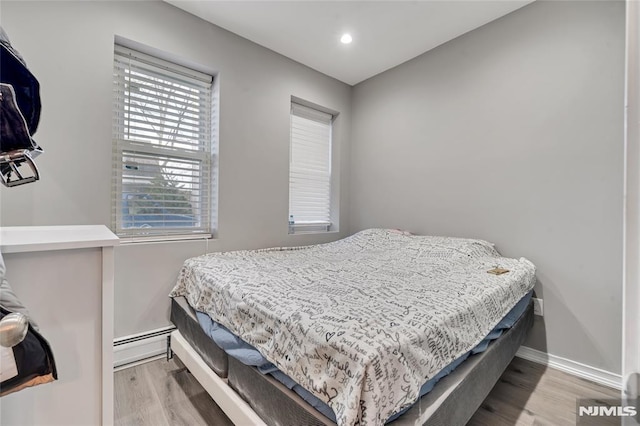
(141, 347)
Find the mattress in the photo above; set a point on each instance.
(248, 355)
(451, 403)
(184, 318)
(361, 322)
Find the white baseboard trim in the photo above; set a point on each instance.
(132, 350)
(575, 368)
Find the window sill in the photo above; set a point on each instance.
(311, 228)
(163, 239)
(313, 233)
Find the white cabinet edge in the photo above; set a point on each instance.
(20, 239)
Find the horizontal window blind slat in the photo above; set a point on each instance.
(187, 115)
(134, 100)
(310, 170)
(316, 211)
(145, 91)
(307, 220)
(156, 108)
(140, 181)
(145, 125)
(125, 54)
(169, 175)
(310, 196)
(315, 151)
(308, 207)
(131, 123)
(133, 82)
(150, 119)
(171, 172)
(169, 121)
(180, 195)
(310, 166)
(312, 212)
(138, 104)
(134, 90)
(310, 133)
(312, 140)
(147, 141)
(167, 215)
(142, 151)
(127, 98)
(319, 148)
(309, 128)
(312, 216)
(125, 67)
(129, 94)
(310, 182)
(147, 144)
(133, 162)
(145, 150)
(164, 136)
(137, 75)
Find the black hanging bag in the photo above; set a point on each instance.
(19, 117)
(34, 361)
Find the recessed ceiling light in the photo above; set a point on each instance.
(346, 38)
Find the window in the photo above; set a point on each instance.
(310, 170)
(163, 148)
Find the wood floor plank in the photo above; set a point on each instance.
(162, 393)
(135, 401)
(529, 393)
(184, 401)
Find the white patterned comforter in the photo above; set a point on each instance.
(361, 322)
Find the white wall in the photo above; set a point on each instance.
(512, 133)
(69, 47)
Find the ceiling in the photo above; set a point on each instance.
(385, 33)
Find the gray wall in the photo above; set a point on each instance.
(512, 133)
(69, 47)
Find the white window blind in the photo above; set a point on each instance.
(310, 169)
(162, 147)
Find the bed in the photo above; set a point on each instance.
(362, 324)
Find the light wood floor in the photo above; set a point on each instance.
(162, 393)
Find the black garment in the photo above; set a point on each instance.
(34, 361)
(24, 101)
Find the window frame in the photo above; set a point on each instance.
(313, 112)
(202, 155)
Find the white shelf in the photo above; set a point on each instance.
(47, 265)
(21, 239)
